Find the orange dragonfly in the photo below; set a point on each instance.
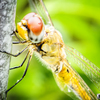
(37, 31)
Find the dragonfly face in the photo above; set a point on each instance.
(31, 28)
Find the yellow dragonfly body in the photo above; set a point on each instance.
(48, 45)
(51, 51)
(54, 56)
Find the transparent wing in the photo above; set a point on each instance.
(38, 7)
(91, 70)
(72, 84)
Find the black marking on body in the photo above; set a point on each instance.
(31, 38)
(56, 69)
(40, 50)
(36, 39)
(27, 28)
(39, 47)
(68, 70)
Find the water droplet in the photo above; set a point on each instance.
(69, 90)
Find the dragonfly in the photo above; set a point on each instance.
(37, 31)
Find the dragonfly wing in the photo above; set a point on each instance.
(65, 88)
(72, 84)
(91, 70)
(38, 7)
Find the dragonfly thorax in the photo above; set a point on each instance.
(51, 49)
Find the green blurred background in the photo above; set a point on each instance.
(79, 23)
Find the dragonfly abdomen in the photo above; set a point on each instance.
(67, 75)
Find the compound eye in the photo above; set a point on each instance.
(28, 16)
(35, 24)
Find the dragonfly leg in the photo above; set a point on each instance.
(14, 55)
(21, 63)
(22, 76)
(19, 41)
(14, 33)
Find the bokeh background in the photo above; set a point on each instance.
(79, 23)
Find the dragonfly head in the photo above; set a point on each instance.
(31, 28)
